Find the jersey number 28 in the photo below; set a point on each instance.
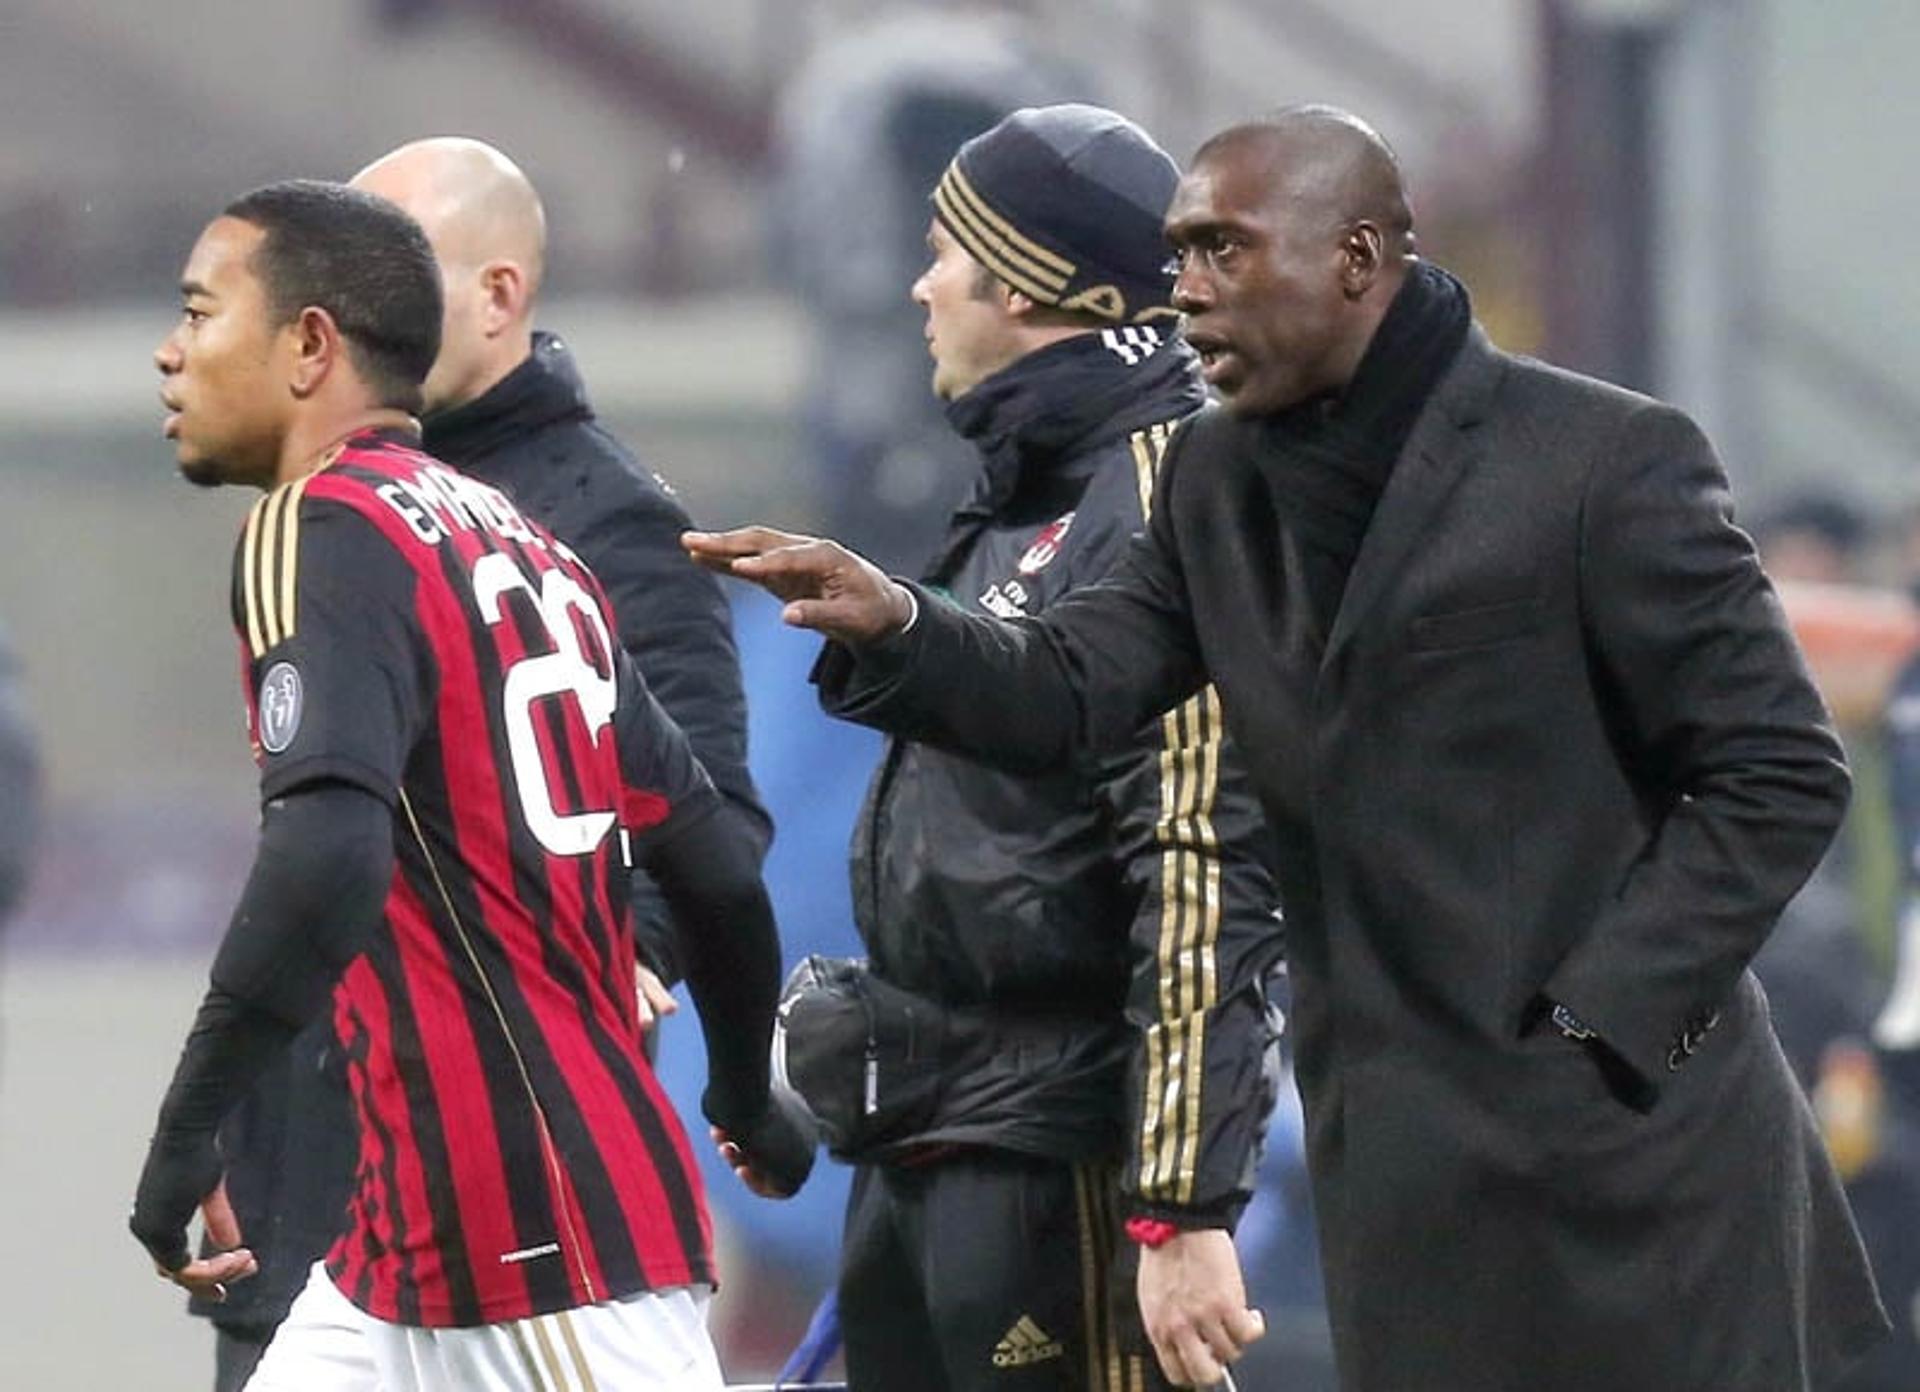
(567, 669)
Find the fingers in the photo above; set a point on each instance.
(1244, 1327)
(821, 615)
(853, 609)
(652, 998)
(1198, 1354)
(730, 1152)
(1199, 1367)
(1194, 1305)
(802, 567)
(785, 565)
(1194, 1356)
(765, 556)
(718, 550)
(658, 995)
(1172, 1363)
(210, 1276)
(216, 1211)
(825, 587)
(736, 1160)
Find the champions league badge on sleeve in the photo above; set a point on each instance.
(281, 703)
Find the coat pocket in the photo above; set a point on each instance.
(1478, 627)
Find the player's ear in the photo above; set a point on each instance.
(316, 346)
(505, 287)
(1362, 258)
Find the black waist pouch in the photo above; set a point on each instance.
(867, 1058)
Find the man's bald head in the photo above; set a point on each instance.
(1294, 238)
(1329, 165)
(489, 233)
(468, 196)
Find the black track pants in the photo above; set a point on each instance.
(987, 1271)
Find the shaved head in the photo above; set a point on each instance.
(1329, 165)
(489, 234)
(1294, 236)
(473, 201)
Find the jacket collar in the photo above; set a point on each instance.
(1444, 443)
(544, 389)
(1055, 406)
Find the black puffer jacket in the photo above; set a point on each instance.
(1129, 903)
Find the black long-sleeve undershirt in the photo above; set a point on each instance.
(314, 896)
(319, 879)
(725, 941)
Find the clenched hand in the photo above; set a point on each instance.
(773, 1153)
(1194, 1305)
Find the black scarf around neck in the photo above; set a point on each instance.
(1329, 459)
(1039, 423)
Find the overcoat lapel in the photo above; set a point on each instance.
(1437, 453)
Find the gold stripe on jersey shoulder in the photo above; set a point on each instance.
(263, 580)
(270, 567)
(249, 557)
(290, 559)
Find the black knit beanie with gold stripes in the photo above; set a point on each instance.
(1065, 203)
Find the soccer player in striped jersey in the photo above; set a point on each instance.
(456, 760)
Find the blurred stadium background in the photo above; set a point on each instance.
(1708, 199)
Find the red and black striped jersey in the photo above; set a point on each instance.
(405, 629)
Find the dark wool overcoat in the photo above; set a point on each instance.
(1558, 745)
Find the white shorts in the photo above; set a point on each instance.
(655, 1341)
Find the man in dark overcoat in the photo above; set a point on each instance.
(1544, 764)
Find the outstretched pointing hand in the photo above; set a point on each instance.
(825, 586)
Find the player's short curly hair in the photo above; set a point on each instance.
(362, 260)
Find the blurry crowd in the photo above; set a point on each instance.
(1842, 969)
(19, 783)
